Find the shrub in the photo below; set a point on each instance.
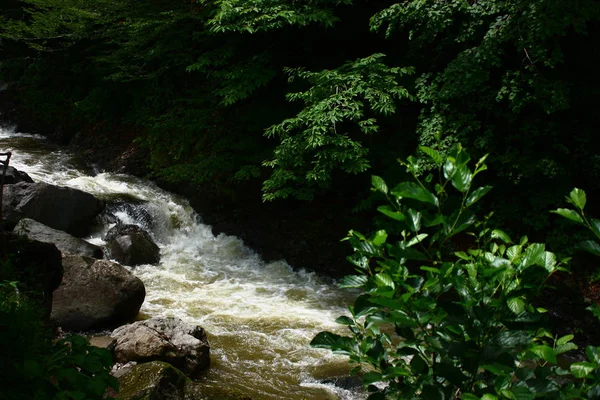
(439, 322)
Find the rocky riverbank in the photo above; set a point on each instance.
(82, 291)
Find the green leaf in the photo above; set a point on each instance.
(565, 347)
(590, 246)
(516, 305)
(394, 372)
(593, 354)
(331, 341)
(522, 393)
(379, 184)
(578, 198)
(565, 339)
(383, 279)
(477, 194)
(582, 369)
(414, 220)
(453, 374)
(411, 190)
(544, 352)
(417, 364)
(435, 156)
(390, 212)
(469, 396)
(498, 369)
(461, 179)
(417, 239)
(489, 396)
(569, 214)
(595, 225)
(535, 254)
(372, 377)
(498, 234)
(380, 237)
(343, 320)
(353, 281)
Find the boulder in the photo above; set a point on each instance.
(131, 245)
(152, 380)
(63, 241)
(69, 210)
(36, 265)
(157, 380)
(96, 294)
(15, 176)
(164, 339)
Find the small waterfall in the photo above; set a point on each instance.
(260, 316)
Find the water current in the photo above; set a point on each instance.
(260, 317)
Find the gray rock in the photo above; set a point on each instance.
(131, 245)
(65, 209)
(96, 294)
(171, 340)
(15, 176)
(63, 241)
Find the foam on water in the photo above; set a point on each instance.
(260, 316)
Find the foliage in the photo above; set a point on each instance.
(438, 322)
(265, 15)
(33, 367)
(202, 84)
(578, 199)
(505, 75)
(319, 138)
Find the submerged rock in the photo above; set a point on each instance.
(96, 294)
(164, 339)
(69, 210)
(131, 245)
(63, 241)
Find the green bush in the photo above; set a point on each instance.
(33, 367)
(447, 308)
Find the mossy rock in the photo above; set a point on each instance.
(154, 380)
(159, 380)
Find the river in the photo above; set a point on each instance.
(260, 317)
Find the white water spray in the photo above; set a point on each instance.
(260, 316)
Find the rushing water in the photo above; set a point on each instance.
(260, 317)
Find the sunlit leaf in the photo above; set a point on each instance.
(435, 156)
(516, 305)
(353, 281)
(390, 212)
(582, 369)
(380, 237)
(379, 184)
(578, 198)
(383, 279)
(569, 214)
(411, 190)
(544, 352)
(477, 194)
(414, 220)
(498, 234)
(565, 339)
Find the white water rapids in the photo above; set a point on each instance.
(260, 317)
